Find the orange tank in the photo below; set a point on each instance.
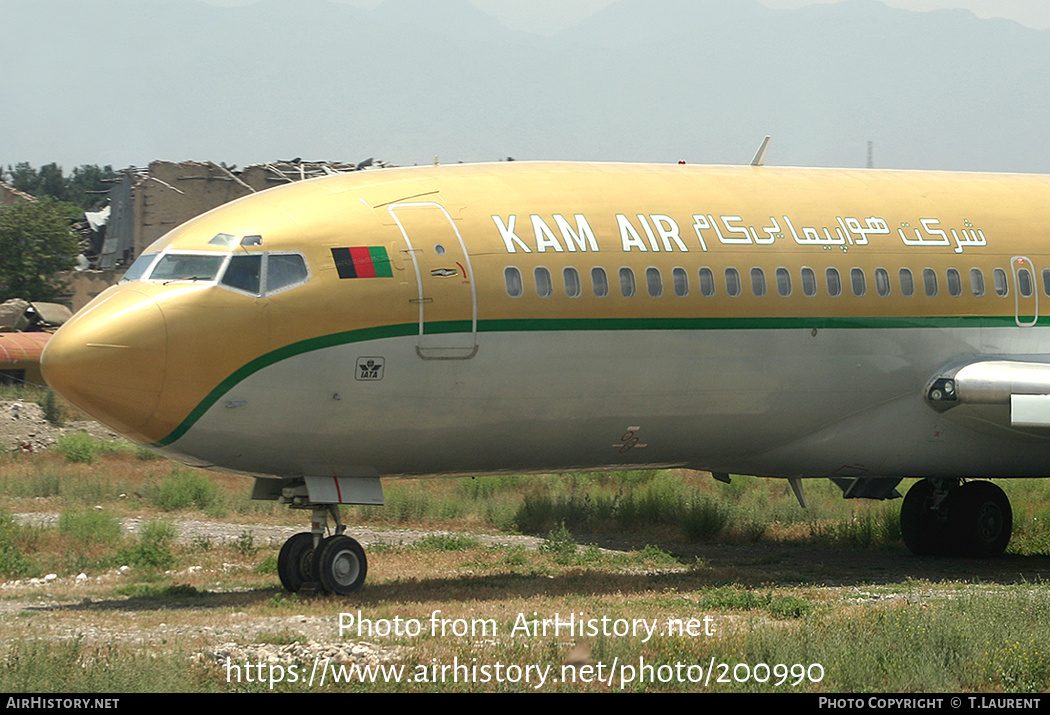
(20, 357)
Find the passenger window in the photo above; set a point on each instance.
(834, 282)
(627, 287)
(572, 282)
(284, 270)
(1024, 283)
(654, 282)
(882, 282)
(512, 277)
(999, 279)
(857, 281)
(783, 282)
(954, 283)
(732, 282)
(600, 281)
(544, 285)
(977, 282)
(707, 282)
(907, 282)
(243, 273)
(1046, 281)
(758, 282)
(929, 281)
(809, 282)
(681, 282)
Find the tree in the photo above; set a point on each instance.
(23, 177)
(87, 186)
(35, 243)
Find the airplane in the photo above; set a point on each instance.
(860, 325)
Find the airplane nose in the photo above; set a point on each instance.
(109, 360)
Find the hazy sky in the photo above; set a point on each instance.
(531, 15)
(549, 16)
(409, 117)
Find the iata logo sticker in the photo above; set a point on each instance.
(369, 368)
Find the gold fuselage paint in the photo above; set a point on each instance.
(149, 357)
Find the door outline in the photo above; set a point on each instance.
(463, 351)
(1016, 264)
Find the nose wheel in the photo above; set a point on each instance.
(295, 562)
(340, 565)
(309, 561)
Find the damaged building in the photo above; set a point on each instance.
(10, 195)
(148, 202)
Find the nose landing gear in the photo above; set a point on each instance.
(309, 561)
(945, 518)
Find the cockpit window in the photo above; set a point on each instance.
(244, 273)
(139, 267)
(284, 270)
(187, 267)
(268, 273)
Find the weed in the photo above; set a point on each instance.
(704, 518)
(13, 562)
(790, 607)
(560, 544)
(655, 556)
(515, 556)
(78, 447)
(51, 407)
(268, 565)
(729, 598)
(185, 489)
(245, 544)
(154, 548)
(91, 527)
(447, 542)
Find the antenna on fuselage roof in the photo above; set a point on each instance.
(760, 155)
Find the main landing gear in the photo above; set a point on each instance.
(945, 517)
(309, 561)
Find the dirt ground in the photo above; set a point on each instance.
(23, 427)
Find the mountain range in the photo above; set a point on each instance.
(127, 81)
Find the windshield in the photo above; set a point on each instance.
(187, 267)
(139, 267)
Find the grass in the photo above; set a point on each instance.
(871, 620)
(962, 640)
(670, 506)
(926, 637)
(38, 666)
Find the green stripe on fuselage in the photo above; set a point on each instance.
(582, 324)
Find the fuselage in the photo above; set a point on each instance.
(525, 317)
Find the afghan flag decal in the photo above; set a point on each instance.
(362, 262)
